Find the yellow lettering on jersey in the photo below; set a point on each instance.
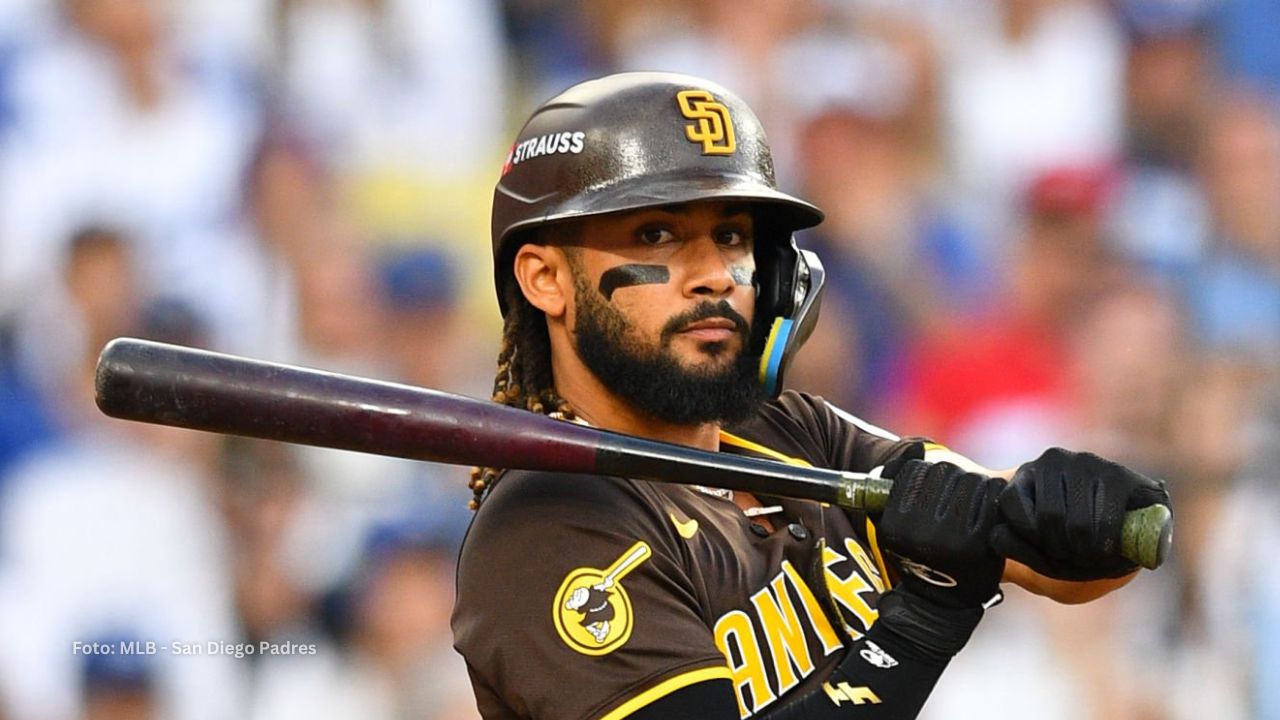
(844, 692)
(869, 569)
(817, 618)
(848, 591)
(734, 631)
(784, 633)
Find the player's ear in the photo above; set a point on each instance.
(544, 276)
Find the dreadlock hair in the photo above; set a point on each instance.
(524, 377)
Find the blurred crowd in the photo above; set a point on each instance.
(1049, 222)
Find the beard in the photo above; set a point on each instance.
(651, 379)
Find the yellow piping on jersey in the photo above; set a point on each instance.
(875, 552)
(666, 687)
(729, 438)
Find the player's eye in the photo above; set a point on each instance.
(655, 235)
(732, 236)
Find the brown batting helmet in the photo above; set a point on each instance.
(638, 140)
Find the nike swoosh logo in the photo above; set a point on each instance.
(687, 529)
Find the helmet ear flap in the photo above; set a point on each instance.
(789, 300)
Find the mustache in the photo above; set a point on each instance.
(704, 311)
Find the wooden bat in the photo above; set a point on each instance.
(189, 388)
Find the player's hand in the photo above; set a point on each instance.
(1062, 514)
(939, 521)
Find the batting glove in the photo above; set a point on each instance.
(938, 522)
(1062, 514)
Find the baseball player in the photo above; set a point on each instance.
(650, 284)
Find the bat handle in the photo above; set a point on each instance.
(1145, 536)
(863, 492)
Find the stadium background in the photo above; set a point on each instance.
(1049, 222)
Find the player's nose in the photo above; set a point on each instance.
(707, 271)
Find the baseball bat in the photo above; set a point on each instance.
(202, 390)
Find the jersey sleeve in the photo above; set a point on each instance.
(580, 574)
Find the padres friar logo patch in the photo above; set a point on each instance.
(711, 124)
(592, 612)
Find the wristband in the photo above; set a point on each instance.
(932, 631)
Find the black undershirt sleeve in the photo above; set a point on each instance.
(882, 677)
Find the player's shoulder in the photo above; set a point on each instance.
(794, 415)
(789, 407)
(789, 425)
(816, 410)
(807, 426)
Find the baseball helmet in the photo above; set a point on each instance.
(638, 140)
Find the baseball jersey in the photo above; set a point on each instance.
(589, 597)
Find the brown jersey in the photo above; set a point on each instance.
(588, 597)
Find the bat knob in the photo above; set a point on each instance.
(1147, 535)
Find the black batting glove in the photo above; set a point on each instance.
(1062, 514)
(938, 522)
